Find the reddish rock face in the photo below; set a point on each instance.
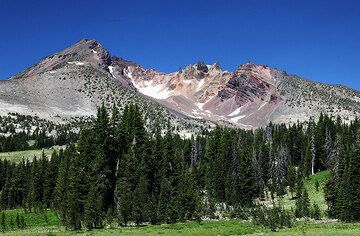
(206, 91)
(247, 85)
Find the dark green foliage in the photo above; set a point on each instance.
(291, 179)
(18, 224)
(317, 185)
(274, 218)
(3, 222)
(92, 209)
(315, 212)
(42, 135)
(74, 198)
(122, 172)
(22, 222)
(11, 222)
(302, 205)
(240, 212)
(342, 190)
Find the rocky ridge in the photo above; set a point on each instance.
(73, 82)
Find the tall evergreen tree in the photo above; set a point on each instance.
(92, 209)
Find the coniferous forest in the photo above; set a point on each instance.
(119, 171)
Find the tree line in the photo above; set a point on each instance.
(19, 141)
(121, 172)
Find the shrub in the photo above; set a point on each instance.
(315, 212)
(273, 218)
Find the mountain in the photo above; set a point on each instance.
(251, 96)
(72, 83)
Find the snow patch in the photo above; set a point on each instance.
(112, 69)
(199, 85)
(158, 91)
(236, 118)
(93, 51)
(196, 117)
(235, 112)
(195, 112)
(78, 63)
(128, 73)
(199, 105)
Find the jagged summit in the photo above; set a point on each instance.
(75, 80)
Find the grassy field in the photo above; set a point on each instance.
(207, 228)
(17, 156)
(33, 221)
(315, 196)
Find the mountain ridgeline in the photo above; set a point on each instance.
(72, 83)
(120, 172)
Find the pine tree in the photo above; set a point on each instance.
(61, 187)
(298, 207)
(189, 200)
(124, 204)
(353, 183)
(124, 185)
(329, 149)
(3, 222)
(104, 163)
(299, 184)
(4, 200)
(213, 183)
(164, 200)
(246, 190)
(315, 212)
(291, 179)
(18, 224)
(317, 185)
(140, 207)
(75, 192)
(22, 222)
(73, 211)
(258, 172)
(302, 204)
(154, 173)
(11, 222)
(307, 160)
(92, 209)
(281, 170)
(305, 204)
(50, 179)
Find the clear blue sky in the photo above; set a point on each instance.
(318, 40)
